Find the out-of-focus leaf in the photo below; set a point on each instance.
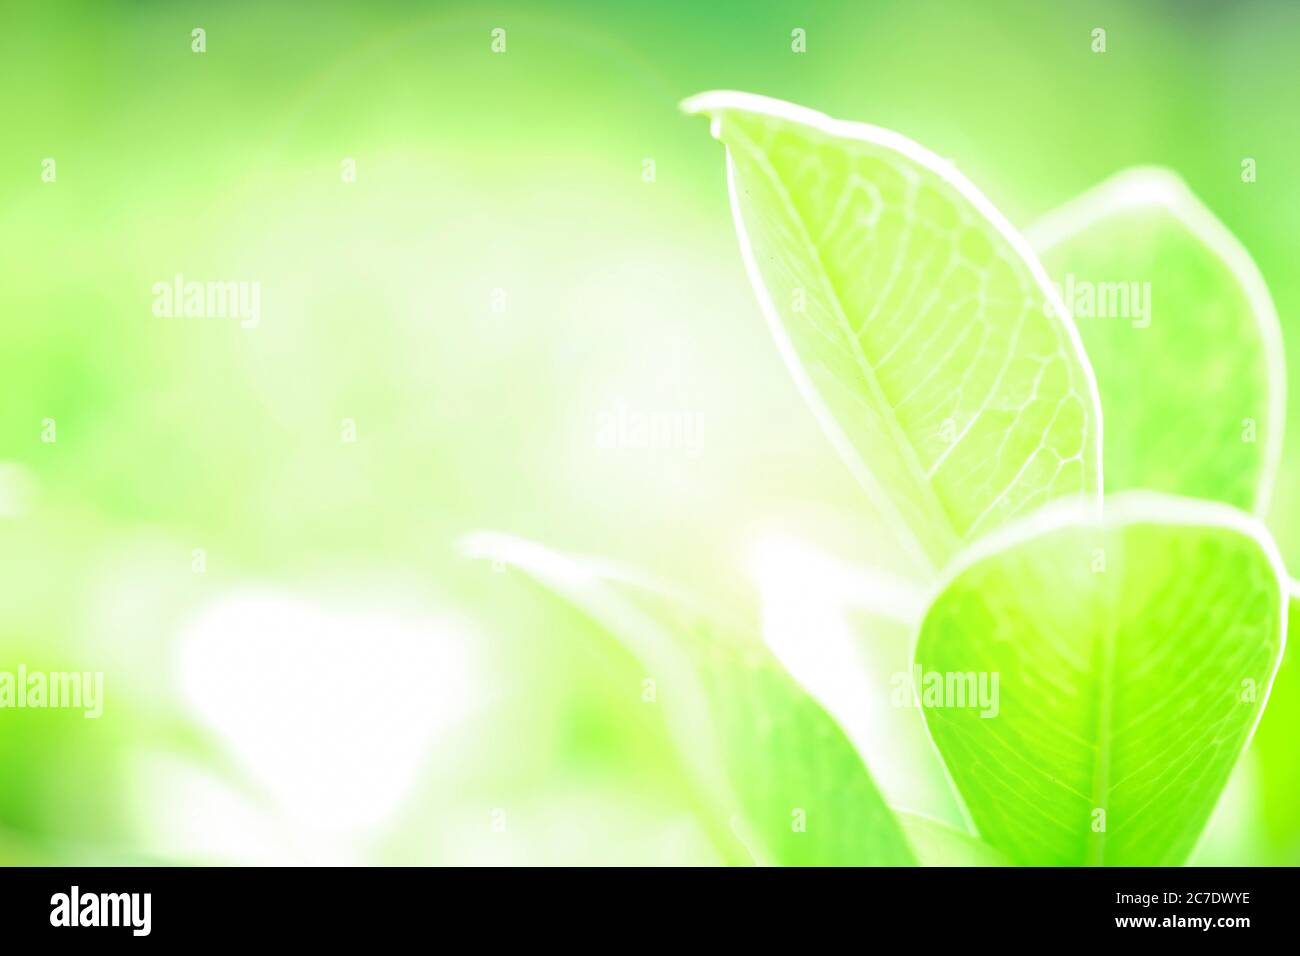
(938, 844)
(774, 771)
(846, 633)
(1182, 333)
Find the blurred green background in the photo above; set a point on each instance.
(499, 283)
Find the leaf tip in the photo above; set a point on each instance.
(697, 104)
(711, 104)
(1151, 186)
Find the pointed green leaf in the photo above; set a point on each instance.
(1130, 662)
(918, 324)
(782, 780)
(1182, 333)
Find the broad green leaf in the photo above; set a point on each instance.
(1128, 661)
(939, 844)
(1183, 336)
(917, 323)
(782, 781)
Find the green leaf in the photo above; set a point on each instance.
(1129, 662)
(781, 780)
(846, 633)
(917, 323)
(1278, 756)
(938, 844)
(1182, 333)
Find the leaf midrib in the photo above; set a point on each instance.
(1096, 855)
